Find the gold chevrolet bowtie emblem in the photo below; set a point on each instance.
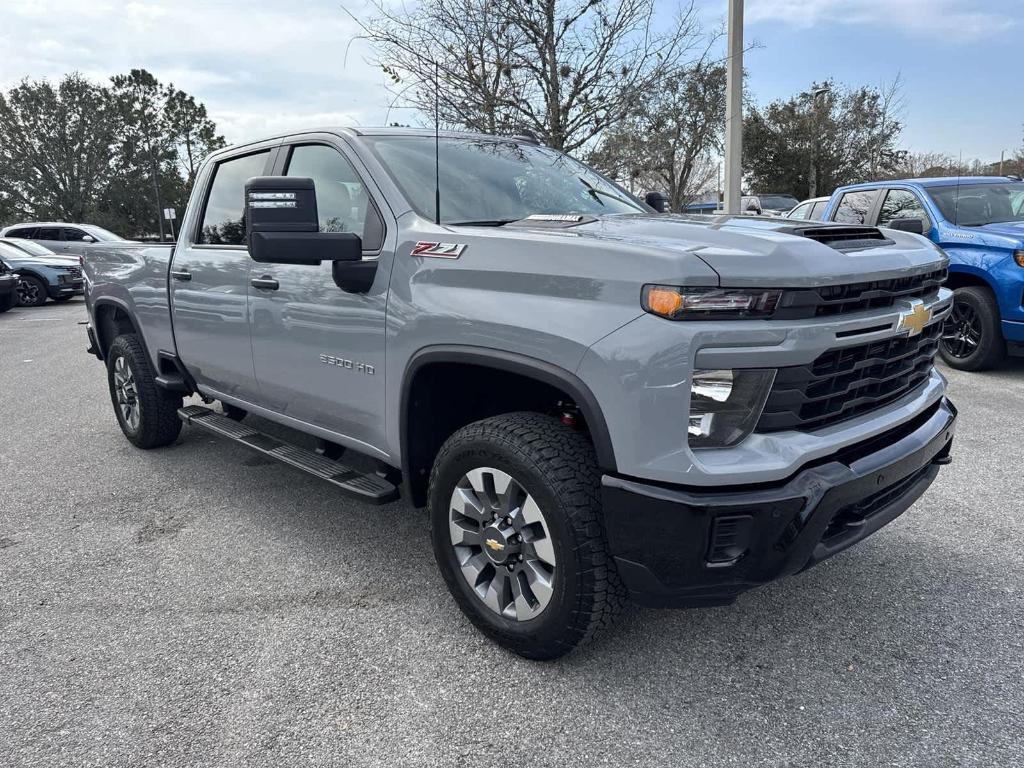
(495, 545)
(914, 321)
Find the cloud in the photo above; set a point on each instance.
(949, 20)
(258, 66)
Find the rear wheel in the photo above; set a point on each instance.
(31, 291)
(972, 339)
(518, 535)
(147, 414)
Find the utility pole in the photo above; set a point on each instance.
(734, 110)
(1002, 154)
(812, 170)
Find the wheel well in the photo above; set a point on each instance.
(443, 397)
(111, 322)
(963, 279)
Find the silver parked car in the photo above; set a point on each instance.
(811, 210)
(61, 238)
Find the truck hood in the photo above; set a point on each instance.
(747, 251)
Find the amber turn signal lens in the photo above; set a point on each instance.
(664, 301)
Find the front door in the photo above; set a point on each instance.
(318, 351)
(210, 284)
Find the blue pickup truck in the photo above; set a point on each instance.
(979, 222)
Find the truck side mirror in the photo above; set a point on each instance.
(658, 201)
(914, 225)
(281, 224)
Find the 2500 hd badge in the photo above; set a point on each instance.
(347, 364)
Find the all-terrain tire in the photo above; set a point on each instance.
(991, 347)
(158, 422)
(557, 466)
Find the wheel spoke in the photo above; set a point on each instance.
(523, 598)
(539, 580)
(463, 535)
(465, 503)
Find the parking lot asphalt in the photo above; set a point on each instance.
(199, 605)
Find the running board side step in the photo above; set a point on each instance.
(370, 488)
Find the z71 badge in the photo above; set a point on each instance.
(438, 250)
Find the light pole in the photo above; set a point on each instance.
(734, 110)
(812, 169)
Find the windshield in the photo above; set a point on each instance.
(27, 246)
(777, 202)
(493, 181)
(974, 205)
(9, 251)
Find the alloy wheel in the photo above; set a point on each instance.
(961, 331)
(502, 543)
(28, 292)
(127, 394)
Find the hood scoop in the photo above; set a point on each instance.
(844, 238)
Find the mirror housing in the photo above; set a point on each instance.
(914, 225)
(88, 239)
(282, 227)
(658, 201)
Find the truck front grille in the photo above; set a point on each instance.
(847, 382)
(855, 297)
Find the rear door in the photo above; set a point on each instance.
(318, 351)
(50, 237)
(209, 281)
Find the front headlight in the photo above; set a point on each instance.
(676, 303)
(726, 404)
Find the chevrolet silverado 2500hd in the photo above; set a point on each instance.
(594, 401)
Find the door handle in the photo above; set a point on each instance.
(181, 274)
(265, 283)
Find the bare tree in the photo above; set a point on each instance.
(563, 70)
(668, 144)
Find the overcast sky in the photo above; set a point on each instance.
(262, 66)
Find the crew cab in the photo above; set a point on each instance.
(594, 402)
(979, 222)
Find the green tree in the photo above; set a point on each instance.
(57, 148)
(823, 138)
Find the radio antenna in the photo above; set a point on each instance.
(437, 147)
(956, 200)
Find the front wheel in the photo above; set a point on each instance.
(518, 533)
(31, 291)
(972, 338)
(147, 414)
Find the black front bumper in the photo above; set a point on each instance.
(55, 290)
(679, 547)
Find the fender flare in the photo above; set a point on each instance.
(512, 362)
(116, 303)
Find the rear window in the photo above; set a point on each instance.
(224, 217)
(25, 232)
(854, 207)
(48, 233)
(818, 211)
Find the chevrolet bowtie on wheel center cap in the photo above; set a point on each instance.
(502, 543)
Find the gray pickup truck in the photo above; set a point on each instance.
(594, 402)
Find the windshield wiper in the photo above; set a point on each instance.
(481, 223)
